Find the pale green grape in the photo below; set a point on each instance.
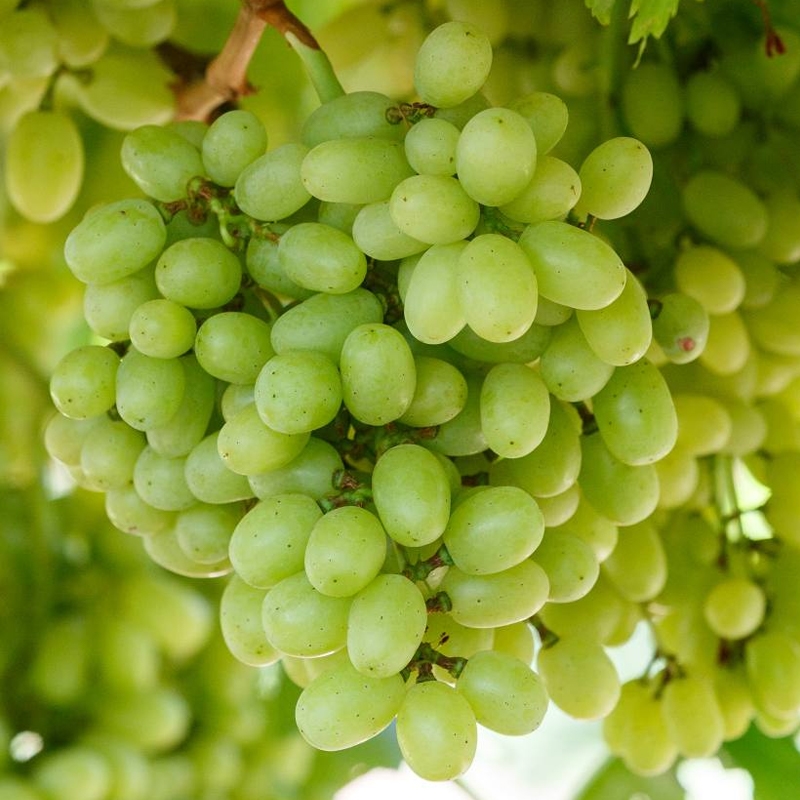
(28, 44)
(301, 621)
(495, 156)
(203, 531)
(772, 663)
(635, 414)
(547, 115)
(74, 772)
(162, 329)
(451, 638)
(515, 640)
(161, 482)
(652, 103)
(128, 656)
(579, 677)
(711, 277)
(570, 564)
(638, 565)
(342, 708)
(270, 187)
(713, 106)
(463, 435)
(692, 716)
(522, 350)
(321, 258)
(233, 346)
(735, 608)
(515, 409)
(44, 165)
(160, 161)
(198, 273)
(432, 307)
(494, 530)
(728, 347)
(678, 477)
(761, 278)
(209, 478)
(83, 382)
(623, 493)
(339, 215)
(108, 307)
(573, 267)
(240, 620)
(261, 261)
(704, 424)
(81, 38)
(232, 142)
(773, 326)
(724, 209)
(781, 242)
(357, 170)
(130, 514)
(268, 543)
(411, 492)
(187, 426)
(497, 288)
(377, 234)
(385, 626)
(571, 369)
(593, 528)
(452, 64)
(164, 549)
(437, 731)
(506, 695)
(551, 193)
(139, 27)
(502, 598)
(301, 671)
(115, 241)
(680, 327)
(109, 454)
(345, 551)
(298, 391)
(64, 437)
(354, 114)
(430, 146)
(440, 393)
(378, 374)
(323, 322)
(149, 390)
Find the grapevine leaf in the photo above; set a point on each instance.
(773, 763)
(601, 10)
(650, 18)
(614, 779)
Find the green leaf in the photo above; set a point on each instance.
(650, 18)
(601, 10)
(614, 780)
(773, 763)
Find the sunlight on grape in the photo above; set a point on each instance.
(707, 779)
(25, 745)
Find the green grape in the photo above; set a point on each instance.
(569, 367)
(452, 64)
(43, 165)
(378, 374)
(240, 620)
(724, 209)
(497, 288)
(692, 716)
(232, 142)
(83, 382)
(379, 237)
(515, 409)
(322, 322)
(59, 671)
(781, 242)
(635, 414)
(506, 695)
(772, 664)
(301, 671)
(652, 103)
(208, 476)
(128, 656)
(748, 428)
(773, 326)
(430, 146)
(735, 701)
(440, 393)
(411, 493)
(494, 530)
(74, 772)
(463, 435)
(433, 209)
(547, 115)
(161, 482)
(149, 390)
(115, 241)
(437, 731)
(310, 472)
(522, 350)
(761, 278)
(204, 531)
(340, 215)
(162, 329)
(187, 426)
(573, 267)
(270, 187)
(139, 27)
(261, 261)
(64, 437)
(301, 621)
(711, 277)
(704, 424)
(345, 551)
(342, 708)
(620, 333)
(515, 640)
(109, 454)
(623, 493)
(450, 638)
(432, 308)
(82, 40)
(298, 391)
(108, 308)
(735, 608)
(160, 161)
(164, 549)
(495, 156)
(130, 514)
(502, 598)
(551, 193)
(233, 346)
(637, 567)
(713, 106)
(570, 564)
(593, 528)
(680, 327)
(28, 44)
(355, 114)
(579, 677)
(614, 178)
(728, 348)
(385, 626)
(357, 170)
(321, 258)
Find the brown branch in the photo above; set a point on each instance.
(275, 13)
